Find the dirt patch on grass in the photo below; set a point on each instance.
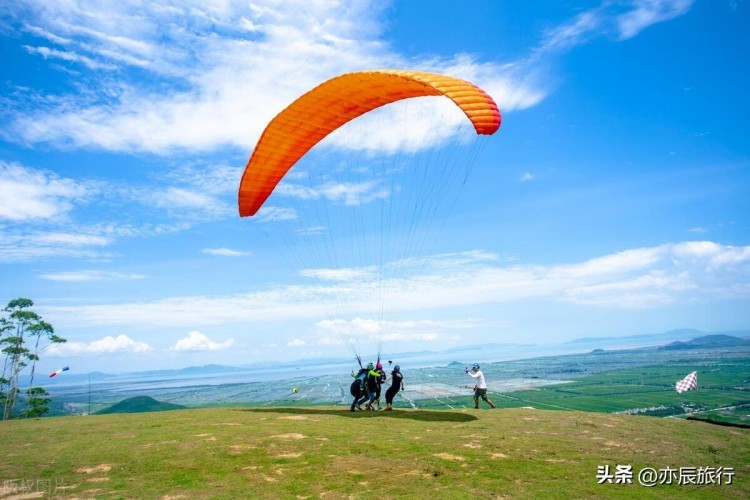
(473, 446)
(290, 435)
(97, 480)
(448, 456)
(95, 468)
(295, 417)
(495, 456)
(23, 496)
(289, 455)
(239, 449)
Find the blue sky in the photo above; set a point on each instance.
(614, 199)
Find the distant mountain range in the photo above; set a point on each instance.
(657, 338)
(708, 341)
(681, 339)
(139, 404)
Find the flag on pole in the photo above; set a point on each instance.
(57, 372)
(688, 383)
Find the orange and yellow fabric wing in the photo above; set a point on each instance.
(310, 118)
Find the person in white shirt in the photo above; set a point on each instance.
(480, 389)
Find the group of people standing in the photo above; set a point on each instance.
(368, 383)
(370, 379)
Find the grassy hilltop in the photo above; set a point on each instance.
(329, 452)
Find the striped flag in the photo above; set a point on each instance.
(57, 372)
(688, 383)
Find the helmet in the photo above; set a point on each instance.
(379, 366)
(397, 368)
(369, 366)
(475, 367)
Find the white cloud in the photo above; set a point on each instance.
(90, 275)
(296, 343)
(346, 274)
(106, 345)
(220, 82)
(347, 193)
(526, 177)
(274, 214)
(341, 331)
(28, 194)
(224, 252)
(669, 273)
(197, 341)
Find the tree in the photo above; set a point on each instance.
(37, 402)
(20, 326)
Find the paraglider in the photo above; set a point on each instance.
(57, 372)
(310, 118)
(365, 257)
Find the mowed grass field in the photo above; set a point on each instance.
(329, 452)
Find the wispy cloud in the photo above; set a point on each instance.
(48, 53)
(618, 20)
(274, 214)
(90, 275)
(648, 12)
(636, 278)
(224, 252)
(341, 331)
(21, 247)
(220, 82)
(197, 341)
(346, 193)
(345, 274)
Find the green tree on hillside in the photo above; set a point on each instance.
(22, 325)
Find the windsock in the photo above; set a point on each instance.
(59, 371)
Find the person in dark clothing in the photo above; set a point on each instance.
(397, 384)
(360, 396)
(381, 380)
(358, 388)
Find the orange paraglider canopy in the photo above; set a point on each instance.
(305, 122)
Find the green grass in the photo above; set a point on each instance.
(309, 452)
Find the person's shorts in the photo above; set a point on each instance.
(480, 393)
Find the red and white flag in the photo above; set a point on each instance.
(688, 383)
